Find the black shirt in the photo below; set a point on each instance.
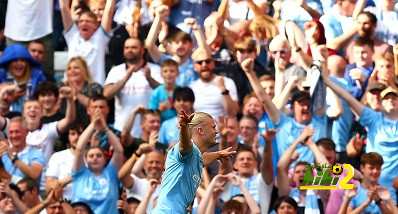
(236, 73)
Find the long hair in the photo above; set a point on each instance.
(264, 25)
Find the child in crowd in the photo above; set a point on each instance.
(371, 197)
(162, 96)
(358, 73)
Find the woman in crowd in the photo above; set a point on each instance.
(79, 78)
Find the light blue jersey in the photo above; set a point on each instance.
(340, 128)
(180, 180)
(360, 198)
(99, 192)
(299, 15)
(187, 74)
(169, 131)
(29, 156)
(159, 94)
(290, 130)
(383, 139)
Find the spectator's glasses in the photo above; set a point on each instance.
(283, 51)
(200, 62)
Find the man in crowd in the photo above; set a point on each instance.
(215, 95)
(131, 83)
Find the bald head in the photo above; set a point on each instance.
(336, 65)
(200, 53)
(279, 41)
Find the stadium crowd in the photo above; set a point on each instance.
(289, 84)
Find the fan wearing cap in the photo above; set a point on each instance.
(372, 96)
(290, 128)
(372, 100)
(382, 128)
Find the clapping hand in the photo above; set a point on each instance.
(350, 193)
(384, 194)
(306, 133)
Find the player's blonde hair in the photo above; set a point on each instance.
(198, 118)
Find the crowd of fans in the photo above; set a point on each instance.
(290, 83)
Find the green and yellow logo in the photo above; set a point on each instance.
(324, 180)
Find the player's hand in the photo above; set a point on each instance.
(225, 154)
(185, 119)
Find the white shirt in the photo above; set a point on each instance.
(93, 50)
(208, 97)
(386, 21)
(27, 20)
(124, 9)
(239, 10)
(43, 139)
(59, 167)
(136, 91)
(258, 189)
(140, 188)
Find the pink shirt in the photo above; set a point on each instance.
(336, 196)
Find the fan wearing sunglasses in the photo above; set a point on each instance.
(215, 95)
(281, 52)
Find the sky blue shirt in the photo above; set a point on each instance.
(187, 74)
(290, 130)
(360, 198)
(293, 12)
(180, 180)
(28, 155)
(159, 94)
(261, 129)
(100, 193)
(169, 131)
(340, 128)
(383, 139)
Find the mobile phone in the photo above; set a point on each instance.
(22, 86)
